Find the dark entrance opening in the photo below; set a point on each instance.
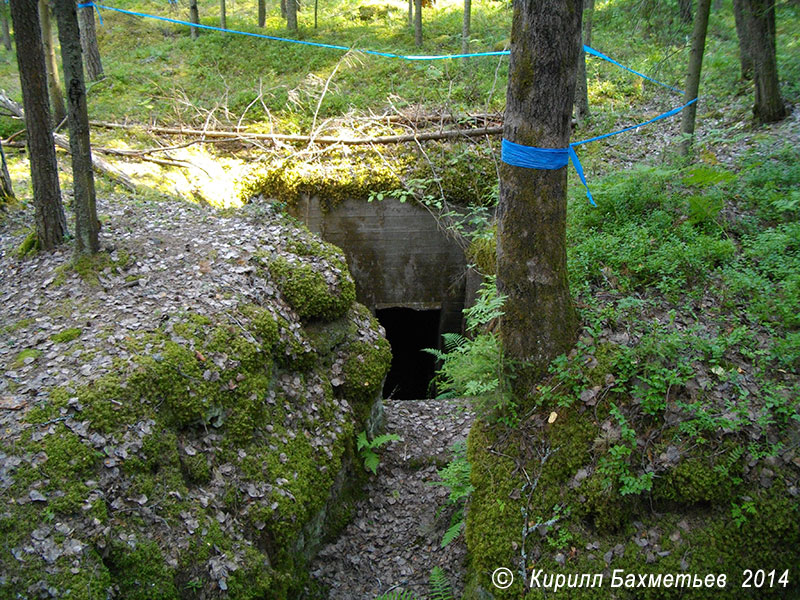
(409, 331)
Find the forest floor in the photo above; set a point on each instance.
(394, 540)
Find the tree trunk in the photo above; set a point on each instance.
(223, 18)
(760, 16)
(51, 225)
(465, 27)
(91, 53)
(316, 8)
(194, 17)
(53, 80)
(291, 15)
(745, 54)
(418, 23)
(4, 25)
(693, 76)
(410, 13)
(582, 87)
(685, 10)
(6, 190)
(86, 224)
(540, 321)
(262, 13)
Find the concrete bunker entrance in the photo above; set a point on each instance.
(408, 272)
(409, 331)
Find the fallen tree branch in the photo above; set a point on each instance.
(282, 137)
(61, 141)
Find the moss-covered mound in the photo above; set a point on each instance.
(214, 447)
(610, 478)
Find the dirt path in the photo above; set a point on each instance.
(395, 538)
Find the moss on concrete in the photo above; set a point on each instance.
(463, 173)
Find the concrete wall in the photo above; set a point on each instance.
(397, 254)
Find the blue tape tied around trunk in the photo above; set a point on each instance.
(530, 157)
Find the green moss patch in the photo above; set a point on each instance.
(308, 292)
(199, 464)
(67, 335)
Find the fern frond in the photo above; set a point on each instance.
(361, 441)
(452, 533)
(436, 352)
(371, 460)
(453, 341)
(379, 441)
(440, 585)
(398, 595)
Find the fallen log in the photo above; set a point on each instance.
(326, 140)
(62, 141)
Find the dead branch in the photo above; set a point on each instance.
(386, 139)
(61, 141)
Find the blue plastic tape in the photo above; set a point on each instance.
(594, 52)
(530, 157)
(586, 49)
(512, 153)
(292, 41)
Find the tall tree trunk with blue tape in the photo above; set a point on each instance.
(760, 17)
(84, 205)
(540, 321)
(693, 77)
(51, 224)
(91, 52)
(53, 80)
(582, 88)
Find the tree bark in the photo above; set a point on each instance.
(760, 16)
(418, 23)
(53, 80)
(6, 189)
(262, 13)
(91, 52)
(745, 54)
(465, 27)
(291, 15)
(4, 26)
(540, 321)
(223, 17)
(582, 87)
(194, 17)
(51, 224)
(410, 13)
(693, 75)
(86, 223)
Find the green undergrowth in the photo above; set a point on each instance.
(206, 460)
(665, 442)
